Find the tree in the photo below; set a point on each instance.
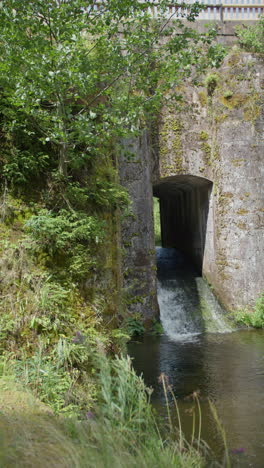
(77, 76)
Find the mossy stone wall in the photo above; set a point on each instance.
(221, 135)
(217, 135)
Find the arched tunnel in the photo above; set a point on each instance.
(184, 205)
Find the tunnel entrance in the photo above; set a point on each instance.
(184, 206)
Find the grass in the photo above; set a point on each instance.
(255, 318)
(121, 432)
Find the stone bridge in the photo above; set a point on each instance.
(205, 164)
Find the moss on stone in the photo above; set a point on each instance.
(204, 135)
(207, 151)
(171, 143)
(251, 112)
(219, 118)
(242, 226)
(235, 101)
(237, 162)
(202, 98)
(242, 212)
(234, 57)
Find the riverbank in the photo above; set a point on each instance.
(121, 431)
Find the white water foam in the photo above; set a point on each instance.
(187, 305)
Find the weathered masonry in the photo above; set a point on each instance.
(208, 171)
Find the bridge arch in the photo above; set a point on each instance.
(184, 208)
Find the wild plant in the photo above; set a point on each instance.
(251, 38)
(219, 426)
(254, 318)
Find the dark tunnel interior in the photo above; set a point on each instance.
(184, 205)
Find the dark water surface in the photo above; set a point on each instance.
(227, 368)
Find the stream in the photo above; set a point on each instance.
(201, 352)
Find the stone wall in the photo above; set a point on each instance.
(218, 135)
(139, 258)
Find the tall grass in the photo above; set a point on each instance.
(121, 432)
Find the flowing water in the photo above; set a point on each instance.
(200, 351)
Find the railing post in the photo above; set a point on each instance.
(221, 12)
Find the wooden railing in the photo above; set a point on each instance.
(215, 10)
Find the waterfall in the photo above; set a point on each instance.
(187, 305)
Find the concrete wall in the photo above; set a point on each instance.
(139, 258)
(219, 136)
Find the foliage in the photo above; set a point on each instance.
(69, 93)
(122, 432)
(254, 318)
(216, 55)
(251, 38)
(157, 328)
(123, 397)
(134, 325)
(49, 333)
(67, 237)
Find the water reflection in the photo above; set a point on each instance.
(228, 369)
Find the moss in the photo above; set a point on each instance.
(225, 195)
(234, 58)
(215, 189)
(216, 153)
(127, 244)
(202, 98)
(251, 112)
(151, 252)
(228, 94)
(207, 151)
(237, 162)
(234, 101)
(135, 300)
(242, 212)
(204, 135)
(220, 117)
(211, 82)
(242, 226)
(171, 143)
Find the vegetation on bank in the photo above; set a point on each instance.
(254, 318)
(121, 431)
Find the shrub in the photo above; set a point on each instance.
(251, 38)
